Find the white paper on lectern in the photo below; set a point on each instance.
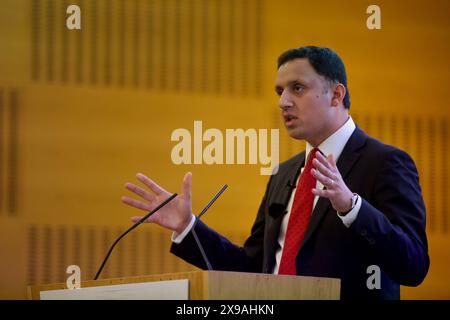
(158, 290)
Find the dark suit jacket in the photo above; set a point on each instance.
(389, 231)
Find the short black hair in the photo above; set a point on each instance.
(325, 62)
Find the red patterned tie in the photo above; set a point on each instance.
(299, 218)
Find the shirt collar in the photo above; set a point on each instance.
(335, 143)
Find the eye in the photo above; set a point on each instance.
(298, 88)
(279, 91)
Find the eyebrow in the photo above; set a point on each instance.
(290, 83)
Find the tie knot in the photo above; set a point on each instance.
(312, 155)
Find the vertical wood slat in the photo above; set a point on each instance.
(32, 263)
(108, 43)
(121, 43)
(150, 45)
(9, 151)
(94, 40)
(50, 40)
(48, 254)
(245, 54)
(120, 250)
(2, 148)
(259, 11)
(444, 176)
(231, 47)
(431, 167)
(177, 45)
(62, 245)
(219, 45)
(136, 43)
(65, 48)
(13, 157)
(91, 252)
(80, 43)
(35, 39)
(147, 258)
(78, 251)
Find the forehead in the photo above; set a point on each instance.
(299, 69)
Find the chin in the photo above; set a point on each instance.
(295, 133)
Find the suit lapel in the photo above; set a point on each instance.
(284, 187)
(347, 159)
(278, 207)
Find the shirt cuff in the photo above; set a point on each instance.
(177, 238)
(348, 219)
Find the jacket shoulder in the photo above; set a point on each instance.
(289, 164)
(377, 149)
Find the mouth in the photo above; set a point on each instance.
(289, 119)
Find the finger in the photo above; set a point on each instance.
(322, 169)
(150, 184)
(321, 193)
(138, 218)
(323, 160)
(322, 179)
(187, 183)
(139, 191)
(331, 161)
(136, 203)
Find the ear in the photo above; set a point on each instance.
(338, 91)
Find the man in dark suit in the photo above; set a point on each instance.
(348, 207)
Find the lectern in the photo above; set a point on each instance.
(197, 285)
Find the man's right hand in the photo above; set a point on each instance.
(175, 215)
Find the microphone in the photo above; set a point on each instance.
(131, 228)
(278, 209)
(197, 240)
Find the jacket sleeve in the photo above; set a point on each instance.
(221, 253)
(393, 223)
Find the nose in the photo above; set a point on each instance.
(285, 100)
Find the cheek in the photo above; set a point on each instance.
(319, 103)
(307, 106)
(313, 98)
(312, 111)
(320, 98)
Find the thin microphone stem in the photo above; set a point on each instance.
(212, 201)
(131, 228)
(202, 251)
(197, 240)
